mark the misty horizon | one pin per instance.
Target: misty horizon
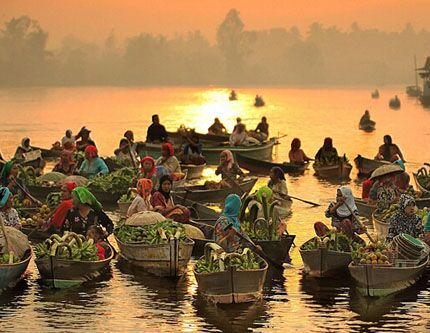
(321, 56)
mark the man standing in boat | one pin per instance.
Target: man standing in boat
(156, 132)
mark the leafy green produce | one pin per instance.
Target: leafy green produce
(53, 199)
(216, 260)
(331, 160)
(128, 197)
(9, 258)
(71, 246)
(151, 234)
(333, 241)
(116, 182)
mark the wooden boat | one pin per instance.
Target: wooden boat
(166, 260)
(259, 102)
(198, 211)
(324, 263)
(49, 154)
(64, 273)
(394, 103)
(179, 137)
(34, 233)
(11, 274)
(367, 127)
(366, 165)
(420, 187)
(233, 286)
(106, 198)
(199, 193)
(380, 226)
(41, 192)
(364, 208)
(380, 280)
(261, 167)
(193, 171)
(339, 171)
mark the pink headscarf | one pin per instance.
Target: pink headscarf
(230, 158)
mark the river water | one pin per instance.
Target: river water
(127, 300)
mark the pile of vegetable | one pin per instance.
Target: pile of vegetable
(39, 218)
(423, 177)
(151, 234)
(116, 182)
(71, 246)
(53, 199)
(9, 258)
(387, 214)
(18, 204)
(333, 241)
(128, 197)
(334, 159)
(372, 254)
(216, 260)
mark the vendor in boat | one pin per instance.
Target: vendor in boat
(389, 151)
(57, 219)
(344, 212)
(7, 212)
(405, 220)
(163, 203)
(142, 201)
(240, 137)
(69, 137)
(217, 128)
(384, 191)
(23, 149)
(327, 152)
(9, 178)
(228, 169)
(238, 122)
(148, 170)
(125, 154)
(402, 179)
(169, 160)
(228, 223)
(296, 154)
(86, 211)
(193, 150)
(261, 132)
(278, 185)
(365, 119)
(66, 164)
(85, 141)
(93, 165)
(156, 132)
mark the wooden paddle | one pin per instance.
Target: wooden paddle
(359, 223)
(27, 194)
(305, 201)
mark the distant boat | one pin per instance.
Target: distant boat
(394, 103)
(259, 101)
(375, 94)
(425, 75)
(233, 96)
(367, 127)
(414, 91)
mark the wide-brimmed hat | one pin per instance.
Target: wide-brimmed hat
(386, 170)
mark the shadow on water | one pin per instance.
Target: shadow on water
(13, 300)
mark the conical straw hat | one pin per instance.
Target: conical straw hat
(386, 170)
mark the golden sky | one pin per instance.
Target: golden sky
(94, 19)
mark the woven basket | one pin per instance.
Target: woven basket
(144, 218)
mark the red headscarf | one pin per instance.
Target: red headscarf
(144, 187)
(149, 159)
(92, 151)
(168, 146)
(70, 186)
(57, 219)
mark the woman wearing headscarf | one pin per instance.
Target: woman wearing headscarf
(86, 211)
(389, 151)
(228, 169)
(66, 164)
(59, 215)
(168, 159)
(384, 191)
(225, 235)
(7, 212)
(85, 141)
(296, 154)
(344, 212)
(148, 170)
(142, 202)
(163, 203)
(405, 220)
(327, 152)
(68, 138)
(23, 149)
(278, 185)
(125, 154)
(9, 178)
(93, 164)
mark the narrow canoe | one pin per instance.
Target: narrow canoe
(11, 274)
(340, 171)
(193, 171)
(198, 211)
(378, 281)
(394, 103)
(179, 137)
(34, 233)
(366, 165)
(233, 286)
(49, 154)
(63, 273)
(370, 127)
(420, 187)
(164, 260)
(364, 208)
(199, 193)
(324, 263)
(380, 226)
(261, 167)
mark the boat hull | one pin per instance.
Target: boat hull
(378, 281)
(364, 208)
(11, 274)
(168, 260)
(366, 166)
(340, 171)
(419, 186)
(324, 263)
(41, 192)
(261, 167)
(278, 250)
(193, 171)
(233, 286)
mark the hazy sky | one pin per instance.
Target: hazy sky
(94, 19)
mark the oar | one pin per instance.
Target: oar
(359, 223)
(235, 184)
(133, 162)
(27, 194)
(305, 201)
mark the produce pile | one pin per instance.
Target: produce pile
(117, 182)
(18, 204)
(333, 241)
(9, 258)
(373, 254)
(423, 177)
(332, 160)
(387, 214)
(39, 218)
(151, 234)
(50, 179)
(216, 260)
(53, 199)
(128, 197)
(71, 246)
